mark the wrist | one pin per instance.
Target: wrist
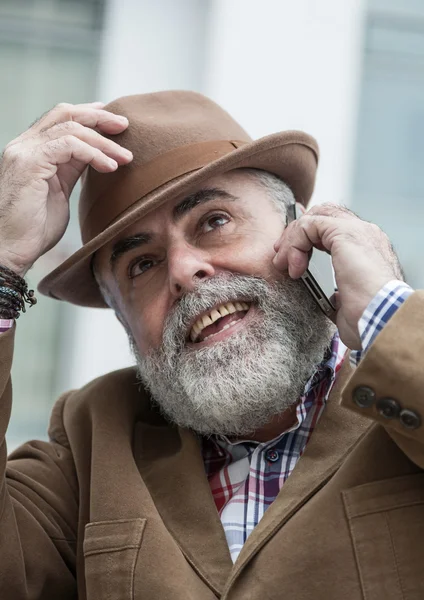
(17, 267)
(14, 294)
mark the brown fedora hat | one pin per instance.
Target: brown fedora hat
(179, 139)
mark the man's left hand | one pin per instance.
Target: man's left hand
(363, 259)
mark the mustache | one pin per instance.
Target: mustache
(208, 293)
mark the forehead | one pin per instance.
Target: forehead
(237, 183)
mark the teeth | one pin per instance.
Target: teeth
(215, 314)
(206, 321)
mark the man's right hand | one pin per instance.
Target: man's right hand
(39, 170)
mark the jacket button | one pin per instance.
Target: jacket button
(410, 419)
(363, 396)
(388, 408)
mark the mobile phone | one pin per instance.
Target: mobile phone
(319, 277)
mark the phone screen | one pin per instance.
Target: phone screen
(321, 269)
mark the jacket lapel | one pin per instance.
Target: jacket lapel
(170, 462)
(337, 433)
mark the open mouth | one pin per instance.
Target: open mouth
(219, 319)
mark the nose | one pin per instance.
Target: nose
(186, 267)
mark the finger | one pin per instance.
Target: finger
(313, 231)
(292, 261)
(326, 209)
(66, 148)
(45, 115)
(278, 243)
(101, 119)
(297, 242)
(331, 210)
(95, 139)
(297, 262)
(88, 116)
(92, 104)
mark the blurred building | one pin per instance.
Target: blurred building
(350, 73)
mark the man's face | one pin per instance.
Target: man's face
(227, 226)
(217, 331)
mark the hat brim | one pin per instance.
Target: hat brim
(291, 155)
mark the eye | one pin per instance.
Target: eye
(214, 221)
(140, 266)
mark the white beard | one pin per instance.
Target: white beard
(237, 385)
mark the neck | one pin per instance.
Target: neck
(274, 428)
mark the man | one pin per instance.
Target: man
(245, 457)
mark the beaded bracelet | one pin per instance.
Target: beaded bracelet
(14, 294)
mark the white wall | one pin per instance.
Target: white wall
(281, 64)
(274, 65)
(152, 45)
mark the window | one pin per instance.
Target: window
(49, 53)
(388, 182)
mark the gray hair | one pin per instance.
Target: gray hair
(278, 192)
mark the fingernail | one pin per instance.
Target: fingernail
(292, 273)
(122, 119)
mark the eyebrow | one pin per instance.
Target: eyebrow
(182, 208)
(127, 244)
(197, 198)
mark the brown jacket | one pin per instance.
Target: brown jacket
(117, 506)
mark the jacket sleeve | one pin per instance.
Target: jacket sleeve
(388, 384)
(38, 508)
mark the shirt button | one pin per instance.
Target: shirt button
(272, 455)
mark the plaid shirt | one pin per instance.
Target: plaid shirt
(246, 476)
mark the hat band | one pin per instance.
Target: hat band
(147, 178)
